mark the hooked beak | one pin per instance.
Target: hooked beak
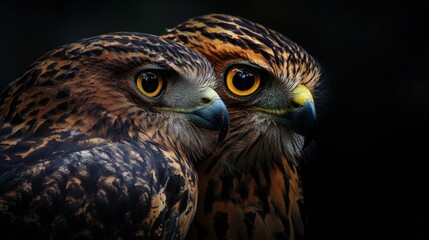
(302, 119)
(214, 116)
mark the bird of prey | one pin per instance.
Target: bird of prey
(97, 139)
(251, 187)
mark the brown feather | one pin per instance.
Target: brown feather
(252, 182)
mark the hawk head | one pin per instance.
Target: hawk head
(266, 80)
(120, 86)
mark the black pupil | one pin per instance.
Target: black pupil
(149, 82)
(243, 80)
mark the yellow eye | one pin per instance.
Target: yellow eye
(242, 80)
(150, 83)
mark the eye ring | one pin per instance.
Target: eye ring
(242, 80)
(150, 83)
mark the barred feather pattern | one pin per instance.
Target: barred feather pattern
(250, 188)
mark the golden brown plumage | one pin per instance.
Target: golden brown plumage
(97, 138)
(250, 188)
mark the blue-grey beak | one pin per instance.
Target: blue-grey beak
(213, 117)
(301, 121)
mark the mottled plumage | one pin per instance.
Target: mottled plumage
(250, 188)
(97, 138)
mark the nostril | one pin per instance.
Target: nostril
(295, 104)
(205, 100)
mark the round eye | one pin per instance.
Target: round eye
(242, 81)
(150, 83)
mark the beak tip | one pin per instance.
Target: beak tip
(223, 127)
(307, 141)
(302, 121)
(213, 117)
(219, 142)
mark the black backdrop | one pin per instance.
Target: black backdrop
(371, 178)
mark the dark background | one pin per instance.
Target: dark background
(370, 178)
